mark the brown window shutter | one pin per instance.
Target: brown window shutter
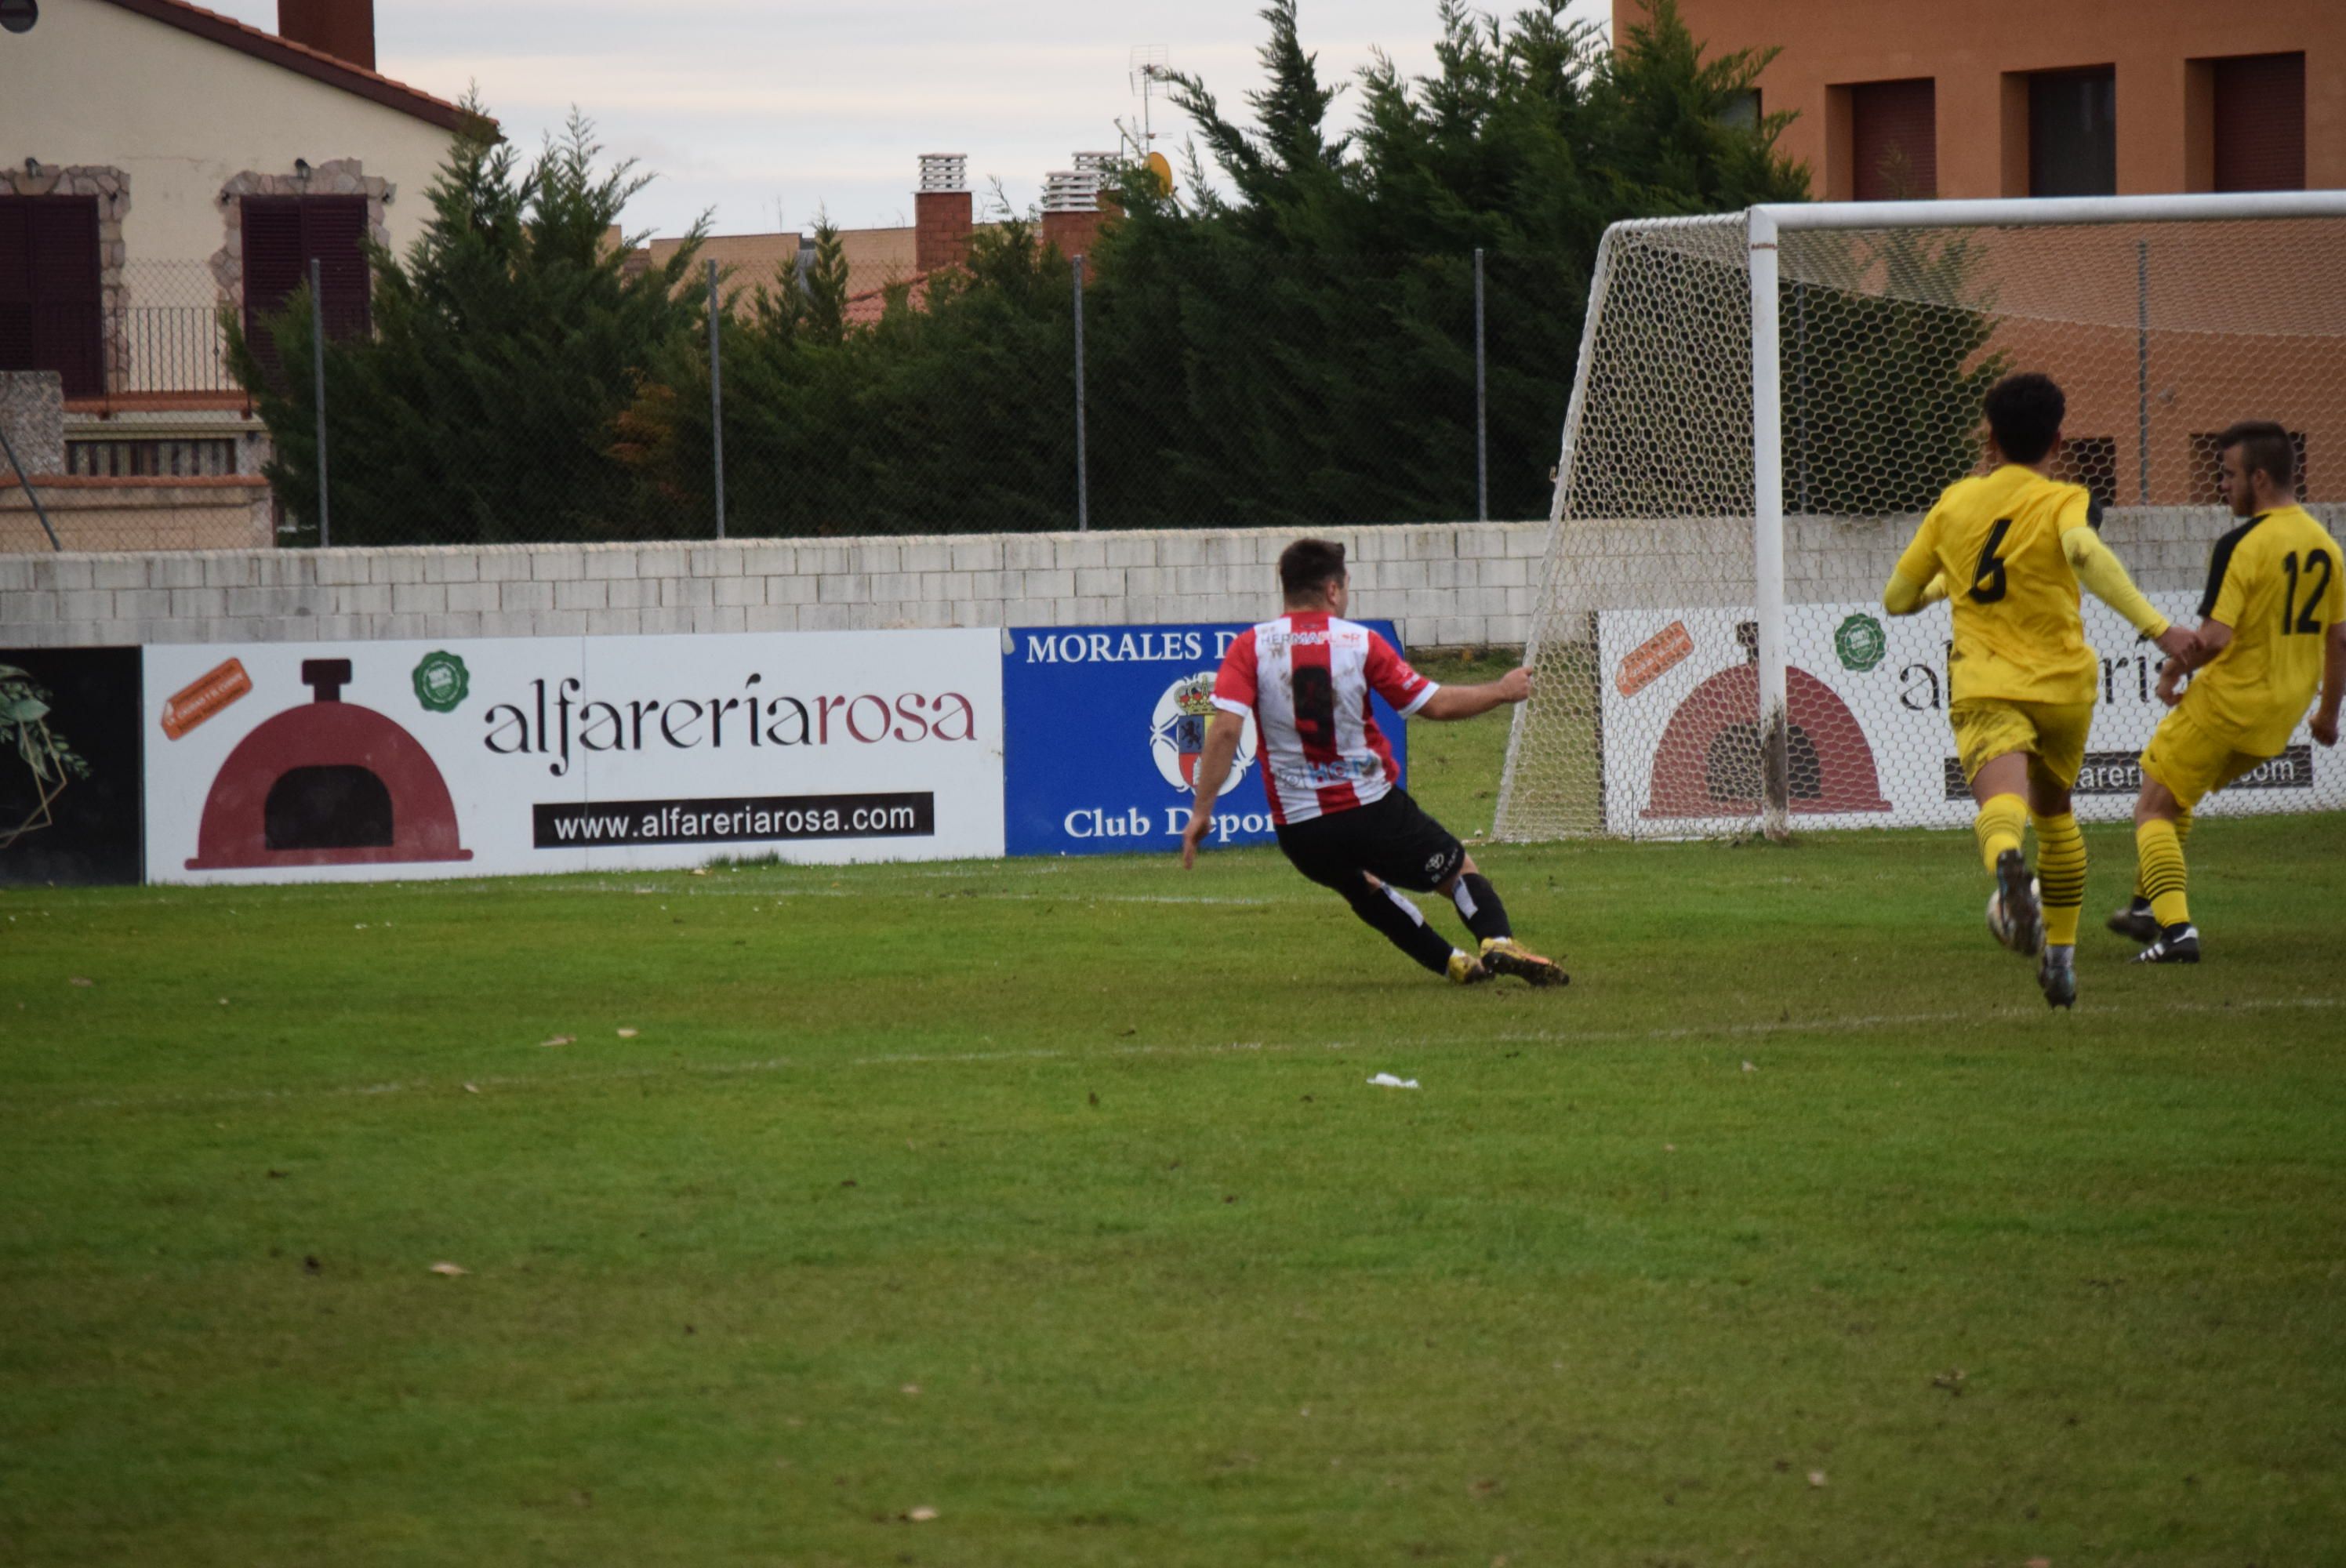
(52, 316)
(334, 230)
(274, 267)
(282, 234)
(2259, 123)
(1894, 140)
(15, 286)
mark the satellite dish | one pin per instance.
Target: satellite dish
(1161, 172)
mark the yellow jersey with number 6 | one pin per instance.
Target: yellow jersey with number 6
(2017, 635)
(2275, 580)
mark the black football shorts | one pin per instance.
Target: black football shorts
(1390, 838)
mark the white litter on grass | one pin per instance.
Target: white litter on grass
(1387, 1081)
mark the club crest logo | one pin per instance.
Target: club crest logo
(1176, 733)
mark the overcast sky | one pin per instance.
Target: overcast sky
(760, 113)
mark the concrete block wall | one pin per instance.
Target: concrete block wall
(1446, 585)
(1466, 585)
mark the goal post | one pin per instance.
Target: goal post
(1766, 402)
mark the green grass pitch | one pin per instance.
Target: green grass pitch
(1040, 1213)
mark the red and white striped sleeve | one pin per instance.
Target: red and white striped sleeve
(1391, 678)
(1235, 685)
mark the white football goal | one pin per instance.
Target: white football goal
(1766, 403)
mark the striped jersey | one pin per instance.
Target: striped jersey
(1306, 678)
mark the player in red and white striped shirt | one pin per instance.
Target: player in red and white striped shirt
(1341, 814)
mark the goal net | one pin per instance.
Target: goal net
(1710, 653)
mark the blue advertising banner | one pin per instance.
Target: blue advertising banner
(1102, 728)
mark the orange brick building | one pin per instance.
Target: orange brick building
(2041, 98)
(2161, 335)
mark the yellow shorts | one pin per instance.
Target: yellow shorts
(2052, 733)
(2192, 762)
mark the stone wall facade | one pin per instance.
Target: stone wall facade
(32, 417)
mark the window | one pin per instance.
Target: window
(2092, 461)
(2260, 122)
(1742, 110)
(1893, 139)
(2207, 467)
(2073, 132)
(52, 311)
(282, 235)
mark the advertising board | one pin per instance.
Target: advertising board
(1870, 746)
(69, 765)
(292, 761)
(1106, 725)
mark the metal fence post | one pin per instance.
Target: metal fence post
(318, 377)
(1083, 473)
(1481, 421)
(716, 399)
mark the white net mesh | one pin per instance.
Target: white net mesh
(1644, 722)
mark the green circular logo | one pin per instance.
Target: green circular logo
(1860, 641)
(441, 682)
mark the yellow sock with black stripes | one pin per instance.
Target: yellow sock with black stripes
(2060, 877)
(2182, 842)
(2158, 856)
(2002, 819)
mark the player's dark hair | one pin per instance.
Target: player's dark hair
(1308, 565)
(2265, 448)
(2023, 413)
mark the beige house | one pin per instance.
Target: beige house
(157, 161)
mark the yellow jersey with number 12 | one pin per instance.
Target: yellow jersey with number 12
(2017, 635)
(2275, 580)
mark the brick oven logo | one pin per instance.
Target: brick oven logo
(442, 682)
(1176, 733)
(327, 783)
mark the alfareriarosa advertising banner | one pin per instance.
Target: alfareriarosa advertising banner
(1106, 725)
(1869, 744)
(350, 762)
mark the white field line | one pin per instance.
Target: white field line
(558, 1081)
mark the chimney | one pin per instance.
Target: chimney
(940, 212)
(1071, 203)
(342, 28)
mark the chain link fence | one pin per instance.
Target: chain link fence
(1028, 392)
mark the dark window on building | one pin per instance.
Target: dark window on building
(1742, 111)
(1893, 139)
(2260, 122)
(52, 310)
(2092, 461)
(2073, 132)
(282, 234)
(2208, 467)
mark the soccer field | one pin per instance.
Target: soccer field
(1042, 1212)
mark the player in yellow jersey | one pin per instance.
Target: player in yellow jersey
(2009, 547)
(2272, 627)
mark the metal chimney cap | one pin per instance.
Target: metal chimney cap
(944, 171)
(1071, 190)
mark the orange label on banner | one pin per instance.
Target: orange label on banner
(1648, 659)
(203, 697)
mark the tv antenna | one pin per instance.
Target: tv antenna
(1149, 68)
